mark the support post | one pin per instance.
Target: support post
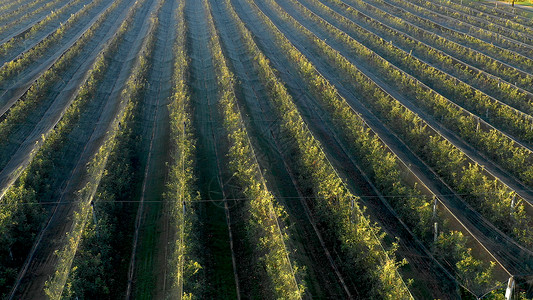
(436, 234)
(510, 288)
(434, 207)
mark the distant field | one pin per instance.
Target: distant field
(265, 149)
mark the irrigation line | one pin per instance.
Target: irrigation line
(145, 179)
(256, 120)
(313, 222)
(246, 199)
(219, 170)
(175, 14)
(307, 210)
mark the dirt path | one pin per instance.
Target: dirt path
(150, 260)
(514, 258)
(85, 141)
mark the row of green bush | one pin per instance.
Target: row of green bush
(264, 228)
(29, 11)
(41, 88)
(492, 30)
(14, 67)
(21, 215)
(382, 164)
(180, 186)
(493, 86)
(14, 7)
(506, 55)
(113, 175)
(468, 14)
(361, 241)
(471, 56)
(486, 193)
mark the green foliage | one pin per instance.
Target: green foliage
(18, 64)
(111, 175)
(478, 18)
(265, 228)
(182, 265)
(379, 162)
(360, 240)
(490, 196)
(39, 90)
(37, 7)
(476, 274)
